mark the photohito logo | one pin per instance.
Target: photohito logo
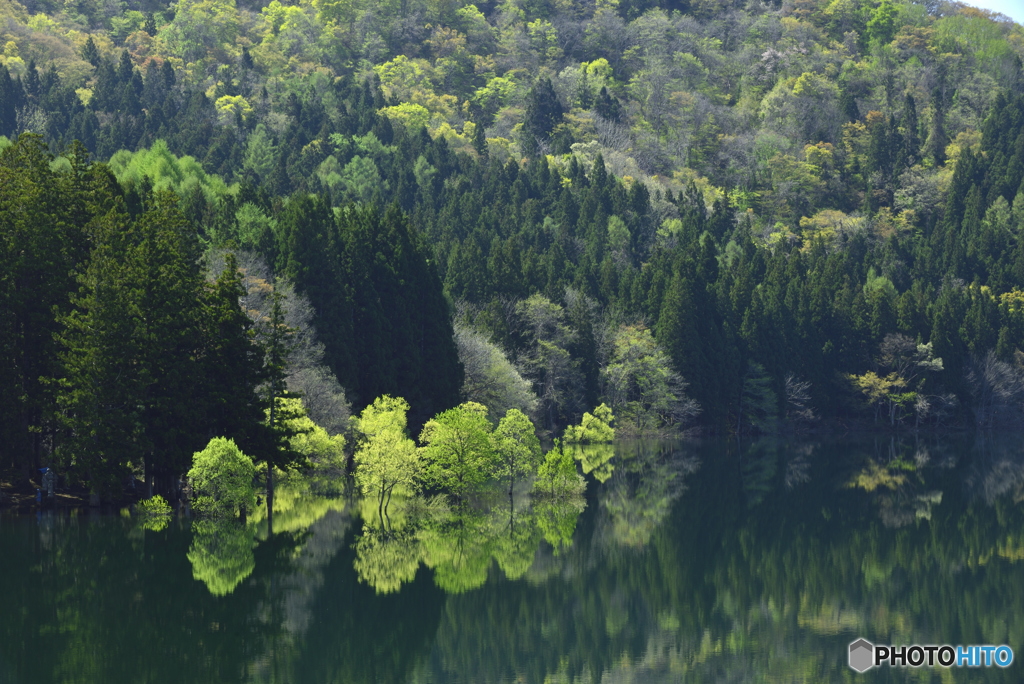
(864, 655)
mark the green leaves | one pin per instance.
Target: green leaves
(222, 479)
(557, 476)
(593, 429)
(458, 452)
(516, 447)
(386, 458)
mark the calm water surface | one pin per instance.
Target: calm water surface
(706, 561)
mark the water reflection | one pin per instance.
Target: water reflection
(702, 561)
(638, 495)
(461, 546)
(221, 554)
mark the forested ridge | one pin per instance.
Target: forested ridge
(744, 216)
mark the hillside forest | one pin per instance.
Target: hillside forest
(737, 216)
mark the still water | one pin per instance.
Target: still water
(683, 561)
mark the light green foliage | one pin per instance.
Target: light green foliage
(361, 179)
(329, 171)
(183, 175)
(498, 92)
(491, 379)
(882, 24)
(556, 519)
(618, 234)
(669, 229)
(130, 22)
(594, 428)
(424, 173)
(387, 559)
(222, 478)
(458, 453)
(875, 282)
(457, 547)
(321, 450)
(641, 385)
(155, 506)
(597, 460)
(230, 106)
(221, 554)
(557, 476)
(387, 458)
(516, 447)
(255, 229)
(999, 216)
(154, 514)
(370, 145)
(200, 26)
(402, 75)
(260, 153)
(412, 116)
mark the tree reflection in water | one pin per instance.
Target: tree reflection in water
(761, 565)
(221, 554)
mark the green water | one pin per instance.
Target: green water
(689, 562)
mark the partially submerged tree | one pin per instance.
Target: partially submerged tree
(458, 453)
(516, 447)
(222, 479)
(557, 476)
(387, 458)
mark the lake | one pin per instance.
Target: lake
(683, 561)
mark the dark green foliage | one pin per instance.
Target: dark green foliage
(543, 110)
(493, 232)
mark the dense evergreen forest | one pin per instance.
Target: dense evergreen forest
(746, 216)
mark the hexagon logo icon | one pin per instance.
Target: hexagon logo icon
(862, 655)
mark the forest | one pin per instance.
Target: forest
(738, 217)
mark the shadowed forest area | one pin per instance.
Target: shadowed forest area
(741, 217)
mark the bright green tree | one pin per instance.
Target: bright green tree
(557, 476)
(593, 429)
(222, 479)
(387, 458)
(516, 447)
(458, 452)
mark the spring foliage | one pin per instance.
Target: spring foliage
(593, 429)
(222, 478)
(386, 458)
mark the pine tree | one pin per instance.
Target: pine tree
(90, 53)
(543, 109)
